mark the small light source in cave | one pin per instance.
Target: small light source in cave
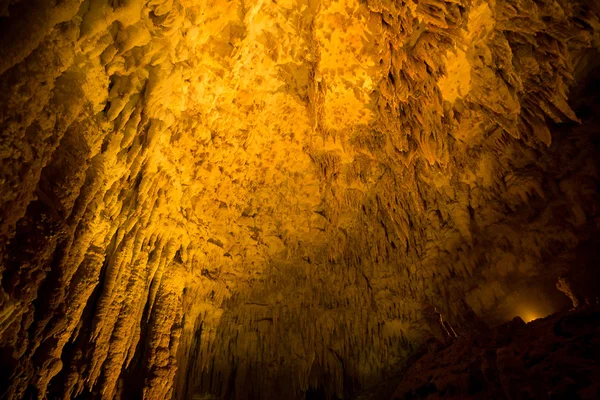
(532, 310)
(530, 314)
(529, 305)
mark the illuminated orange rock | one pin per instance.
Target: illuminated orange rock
(248, 199)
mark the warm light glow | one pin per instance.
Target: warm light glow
(251, 198)
(529, 305)
(530, 311)
(529, 315)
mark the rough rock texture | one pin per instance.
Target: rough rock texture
(552, 358)
(254, 198)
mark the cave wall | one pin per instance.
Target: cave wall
(549, 358)
(251, 198)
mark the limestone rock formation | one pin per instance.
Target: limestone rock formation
(255, 198)
(553, 358)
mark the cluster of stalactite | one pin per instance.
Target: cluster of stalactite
(249, 199)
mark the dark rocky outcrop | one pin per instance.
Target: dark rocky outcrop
(551, 358)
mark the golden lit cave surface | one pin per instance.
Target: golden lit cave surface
(260, 197)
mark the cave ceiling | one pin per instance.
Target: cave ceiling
(251, 198)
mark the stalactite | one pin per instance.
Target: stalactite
(255, 199)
